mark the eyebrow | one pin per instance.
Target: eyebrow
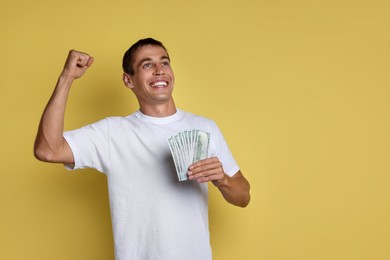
(149, 59)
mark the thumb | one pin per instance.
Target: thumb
(90, 61)
(84, 61)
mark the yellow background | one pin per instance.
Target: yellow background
(300, 90)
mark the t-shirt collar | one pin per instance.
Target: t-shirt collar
(159, 120)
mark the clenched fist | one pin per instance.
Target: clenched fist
(76, 64)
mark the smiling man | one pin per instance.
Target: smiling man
(148, 73)
(154, 215)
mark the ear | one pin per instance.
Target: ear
(127, 80)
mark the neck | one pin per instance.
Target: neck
(162, 110)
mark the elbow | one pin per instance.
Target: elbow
(244, 201)
(240, 200)
(42, 154)
(245, 196)
(52, 153)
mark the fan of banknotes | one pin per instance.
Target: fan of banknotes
(187, 147)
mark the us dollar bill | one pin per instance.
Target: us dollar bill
(187, 147)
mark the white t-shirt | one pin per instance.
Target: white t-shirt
(154, 216)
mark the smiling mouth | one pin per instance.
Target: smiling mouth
(159, 84)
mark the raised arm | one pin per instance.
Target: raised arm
(234, 189)
(50, 145)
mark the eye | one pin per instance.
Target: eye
(147, 65)
(165, 63)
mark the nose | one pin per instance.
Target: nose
(158, 70)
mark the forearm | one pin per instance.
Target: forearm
(49, 139)
(50, 144)
(234, 189)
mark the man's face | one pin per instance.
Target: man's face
(153, 77)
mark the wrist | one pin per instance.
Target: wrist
(65, 79)
(221, 183)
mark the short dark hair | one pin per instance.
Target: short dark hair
(128, 58)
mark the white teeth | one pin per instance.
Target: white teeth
(159, 83)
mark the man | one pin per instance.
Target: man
(154, 215)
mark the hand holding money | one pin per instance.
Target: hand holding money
(209, 169)
(187, 147)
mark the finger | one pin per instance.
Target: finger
(203, 162)
(76, 64)
(83, 60)
(215, 173)
(90, 61)
(213, 177)
(205, 166)
(203, 180)
(209, 178)
(79, 58)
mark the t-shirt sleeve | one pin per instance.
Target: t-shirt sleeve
(90, 146)
(220, 148)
